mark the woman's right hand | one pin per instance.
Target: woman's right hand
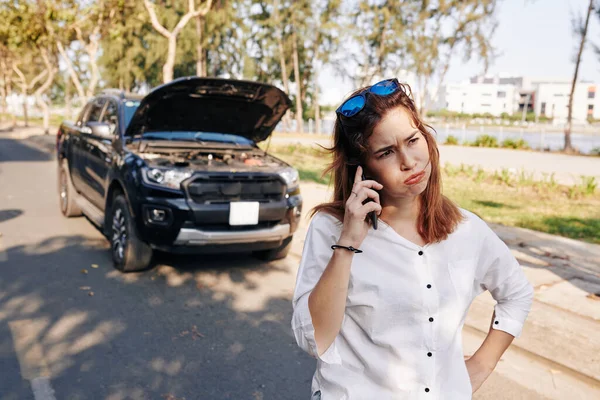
(356, 226)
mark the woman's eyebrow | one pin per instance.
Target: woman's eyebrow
(383, 149)
(412, 135)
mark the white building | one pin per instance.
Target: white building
(485, 97)
(544, 97)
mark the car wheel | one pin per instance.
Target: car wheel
(276, 253)
(67, 193)
(129, 253)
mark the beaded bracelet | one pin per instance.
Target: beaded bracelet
(337, 246)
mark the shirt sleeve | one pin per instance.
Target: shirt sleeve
(321, 234)
(503, 276)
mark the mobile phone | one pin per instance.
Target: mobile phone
(372, 214)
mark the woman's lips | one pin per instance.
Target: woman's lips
(414, 179)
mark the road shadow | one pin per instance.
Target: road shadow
(14, 150)
(181, 330)
(6, 215)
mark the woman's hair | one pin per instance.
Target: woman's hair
(438, 215)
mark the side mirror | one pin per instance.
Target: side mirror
(101, 130)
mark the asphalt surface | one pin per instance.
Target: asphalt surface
(208, 327)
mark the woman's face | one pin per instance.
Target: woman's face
(398, 156)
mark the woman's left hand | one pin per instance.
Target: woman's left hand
(478, 371)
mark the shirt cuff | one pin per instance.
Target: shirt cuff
(504, 323)
(304, 332)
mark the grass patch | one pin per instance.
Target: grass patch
(543, 206)
(504, 197)
(308, 160)
(55, 120)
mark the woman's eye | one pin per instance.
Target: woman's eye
(386, 153)
(412, 141)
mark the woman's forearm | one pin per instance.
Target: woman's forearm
(494, 346)
(327, 301)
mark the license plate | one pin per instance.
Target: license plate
(243, 213)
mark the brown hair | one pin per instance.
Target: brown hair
(439, 216)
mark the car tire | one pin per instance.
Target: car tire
(277, 253)
(67, 193)
(129, 253)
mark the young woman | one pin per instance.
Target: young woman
(382, 306)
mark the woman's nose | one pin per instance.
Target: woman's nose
(407, 163)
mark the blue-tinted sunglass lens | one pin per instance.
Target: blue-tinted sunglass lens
(352, 106)
(384, 88)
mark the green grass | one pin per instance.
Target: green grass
(534, 207)
(500, 197)
(55, 120)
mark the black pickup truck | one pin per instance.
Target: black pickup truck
(179, 170)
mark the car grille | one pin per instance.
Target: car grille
(223, 189)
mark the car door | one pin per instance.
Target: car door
(88, 175)
(100, 153)
(76, 147)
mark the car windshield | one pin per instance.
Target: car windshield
(130, 106)
(199, 137)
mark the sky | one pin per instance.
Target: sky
(533, 38)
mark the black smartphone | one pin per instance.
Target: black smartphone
(372, 214)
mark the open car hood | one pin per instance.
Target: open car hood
(245, 108)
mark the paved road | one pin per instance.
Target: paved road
(192, 328)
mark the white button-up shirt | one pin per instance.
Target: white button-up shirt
(401, 335)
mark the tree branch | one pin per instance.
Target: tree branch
(161, 29)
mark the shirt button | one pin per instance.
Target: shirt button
(496, 322)
(420, 253)
(427, 390)
(428, 286)
(430, 319)
(429, 354)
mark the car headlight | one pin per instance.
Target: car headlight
(169, 178)
(290, 176)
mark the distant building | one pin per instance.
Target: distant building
(544, 97)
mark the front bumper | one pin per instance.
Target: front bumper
(199, 237)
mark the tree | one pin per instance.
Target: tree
(580, 29)
(326, 30)
(30, 34)
(77, 29)
(171, 36)
(440, 31)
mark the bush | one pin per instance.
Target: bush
(485, 141)
(595, 151)
(451, 140)
(515, 144)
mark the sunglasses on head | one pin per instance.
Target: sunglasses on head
(355, 104)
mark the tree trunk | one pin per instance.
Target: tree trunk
(299, 120)
(68, 111)
(200, 61)
(3, 93)
(51, 69)
(72, 73)
(25, 116)
(282, 63)
(170, 64)
(317, 107)
(568, 145)
(8, 93)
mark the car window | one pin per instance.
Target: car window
(96, 110)
(84, 114)
(110, 115)
(129, 108)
